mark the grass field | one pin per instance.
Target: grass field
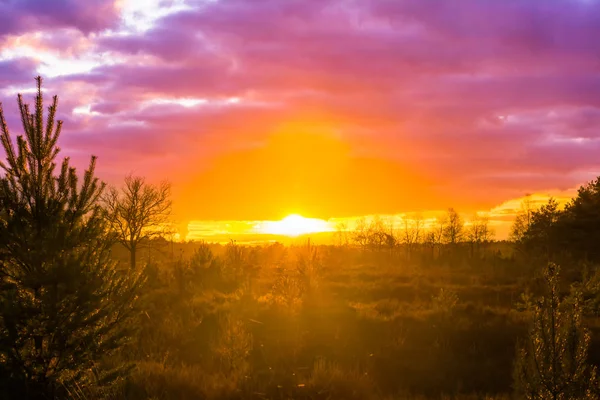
(306, 322)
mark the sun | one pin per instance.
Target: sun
(295, 225)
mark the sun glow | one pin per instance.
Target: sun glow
(294, 225)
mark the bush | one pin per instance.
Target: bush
(552, 363)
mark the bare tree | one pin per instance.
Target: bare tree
(454, 229)
(361, 233)
(341, 234)
(391, 241)
(479, 232)
(418, 228)
(378, 237)
(412, 232)
(433, 238)
(137, 212)
(522, 220)
(429, 242)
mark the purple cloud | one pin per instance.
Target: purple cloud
(16, 71)
(19, 16)
(485, 99)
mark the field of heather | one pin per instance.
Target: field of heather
(325, 322)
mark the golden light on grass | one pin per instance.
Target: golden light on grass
(294, 225)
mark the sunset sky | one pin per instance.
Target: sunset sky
(258, 109)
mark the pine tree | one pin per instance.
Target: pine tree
(552, 363)
(63, 305)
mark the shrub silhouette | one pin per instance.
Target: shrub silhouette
(552, 364)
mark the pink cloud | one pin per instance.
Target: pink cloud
(485, 99)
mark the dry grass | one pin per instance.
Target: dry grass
(327, 323)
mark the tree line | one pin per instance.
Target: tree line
(413, 233)
(566, 235)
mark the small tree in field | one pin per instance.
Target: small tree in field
(137, 213)
(522, 221)
(552, 363)
(454, 229)
(62, 304)
(478, 233)
(412, 232)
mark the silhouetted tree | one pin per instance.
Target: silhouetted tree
(434, 236)
(137, 213)
(522, 220)
(341, 234)
(389, 237)
(454, 227)
(429, 240)
(572, 233)
(412, 233)
(361, 233)
(378, 237)
(63, 306)
(543, 236)
(580, 223)
(478, 233)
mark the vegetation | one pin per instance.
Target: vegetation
(137, 213)
(569, 236)
(419, 311)
(552, 364)
(63, 307)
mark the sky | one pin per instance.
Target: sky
(257, 109)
